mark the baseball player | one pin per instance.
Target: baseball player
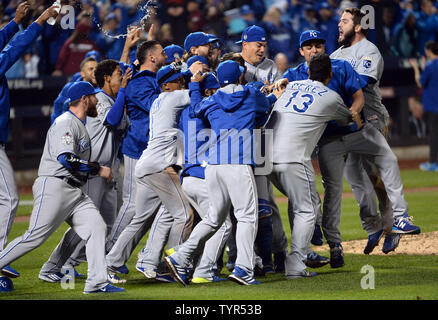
(193, 180)
(262, 70)
(14, 50)
(140, 92)
(57, 193)
(367, 143)
(198, 43)
(156, 171)
(232, 113)
(345, 81)
(87, 67)
(298, 120)
(106, 132)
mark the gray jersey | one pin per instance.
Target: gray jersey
(163, 148)
(105, 140)
(366, 59)
(265, 70)
(66, 135)
(300, 117)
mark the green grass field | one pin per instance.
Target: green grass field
(397, 276)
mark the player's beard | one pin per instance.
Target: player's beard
(92, 111)
(348, 38)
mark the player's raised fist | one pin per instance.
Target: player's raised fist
(21, 12)
(126, 77)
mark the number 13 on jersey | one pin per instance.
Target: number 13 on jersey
(301, 102)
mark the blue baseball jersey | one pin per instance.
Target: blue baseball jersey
(345, 81)
(8, 56)
(140, 93)
(429, 82)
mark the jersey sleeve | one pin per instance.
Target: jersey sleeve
(64, 138)
(352, 80)
(369, 64)
(342, 114)
(425, 76)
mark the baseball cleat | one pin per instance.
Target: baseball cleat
(163, 277)
(336, 255)
(373, 241)
(9, 272)
(429, 166)
(317, 238)
(52, 277)
(268, 269)
(176, 271)
(391, 242)
(314, 260)
(114, 278)
(123, 269)
(76, 274)
(241, 277)
(107, 289)
(207, 280)
(149, 273)
(304, 274)
(404, 225)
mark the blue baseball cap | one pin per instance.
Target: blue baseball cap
(229, 72)
(210, 82)
(245, 9)
(195, 39)
(311, 35)
(195, 58)
(168, 73)
(253, 34)
(6, 284)
(173, 52)
(79, 89)
(93, 54)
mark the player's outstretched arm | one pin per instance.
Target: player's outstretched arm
(47, 14)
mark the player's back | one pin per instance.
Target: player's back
(299, 118)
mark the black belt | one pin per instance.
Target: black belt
(71, 182)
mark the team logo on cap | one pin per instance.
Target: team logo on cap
(313, 34)
(245, 37)
(67, 138)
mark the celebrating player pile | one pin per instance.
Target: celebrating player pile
(188, 126)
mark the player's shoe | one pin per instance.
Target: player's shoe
(268, 269)
(76, 274)
(10, 272)
(429, 166)
(107, 289)
(279, 260)
(373, 241)
(317, 238)
(114, 278)
(242, 277)
(149, 273)
(404, 225)
(170, 251)
(123, 269)
(177, 272)
(164, 277)
(304, 274)
(336, 255)
(391, 242)
(52, 277)
(207, 280)
(314, 260)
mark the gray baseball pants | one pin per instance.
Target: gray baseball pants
(55, 201)
(152, 191)
(227, 185)
(104, 197)
(370, 144)
(127, 210)
(197, 193)
(297, 182)
(9, 197)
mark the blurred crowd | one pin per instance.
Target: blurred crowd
(402, 28)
